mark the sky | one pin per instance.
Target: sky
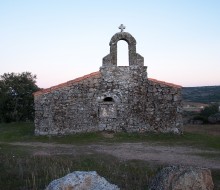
(62, 40)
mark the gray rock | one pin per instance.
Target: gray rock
(182, 178)
(80, 180)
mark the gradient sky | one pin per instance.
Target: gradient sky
(61, 40)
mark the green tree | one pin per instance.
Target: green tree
(206, 112)
(16, 96)
(210, 110)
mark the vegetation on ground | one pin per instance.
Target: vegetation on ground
(24, 132)
(20, 169)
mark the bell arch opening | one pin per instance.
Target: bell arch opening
(112, 59)
(123, 53)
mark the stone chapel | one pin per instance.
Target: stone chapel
(116, 98)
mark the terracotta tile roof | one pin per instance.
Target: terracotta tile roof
(165, 83)
(65, 84)
(74, 81)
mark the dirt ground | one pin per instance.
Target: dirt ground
(151, 152)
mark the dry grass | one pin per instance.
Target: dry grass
(19, 170)
(22, 171)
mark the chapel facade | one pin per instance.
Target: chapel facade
(117, 98)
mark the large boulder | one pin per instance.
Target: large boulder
(215, 118)
(182, 178)
(80, 180)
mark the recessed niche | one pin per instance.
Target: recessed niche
(108, 99)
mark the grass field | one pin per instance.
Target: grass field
(194, 135)
(19, 169)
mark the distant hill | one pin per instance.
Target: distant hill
(204, 94)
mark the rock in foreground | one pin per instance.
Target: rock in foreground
(80, 180)
(182, 178)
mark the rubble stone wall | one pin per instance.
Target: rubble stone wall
(122, 101)
(69, 109)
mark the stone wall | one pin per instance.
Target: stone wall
(68, 108)
(115, 99)
(142, 104)
(135, 104)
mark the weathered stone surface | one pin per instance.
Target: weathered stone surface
(81, 180)
(215, 118)
(117, 98)
(182, 178)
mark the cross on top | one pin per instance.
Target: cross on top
(122, 27)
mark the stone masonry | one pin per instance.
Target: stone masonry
(117, 98)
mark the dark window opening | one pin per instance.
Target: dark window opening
(108, 99)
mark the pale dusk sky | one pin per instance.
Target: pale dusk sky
(62, 40)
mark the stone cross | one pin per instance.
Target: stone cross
(122, 27)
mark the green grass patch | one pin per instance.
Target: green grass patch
(14, 151)
(200, 140)
(187, 139)
(16, 131)
(24, 132)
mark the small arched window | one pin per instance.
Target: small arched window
(108, 99)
